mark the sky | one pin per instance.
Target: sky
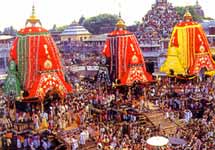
(63, 12)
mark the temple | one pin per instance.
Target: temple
(198, 9)
(158, 2)
(35, 64)
(188, 50)
(126, 62)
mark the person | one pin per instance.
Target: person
(141, 103)
(106, 141)
(44, 124)
(1, 142)
(74, 143)
(25, 142)
(8, 138)
(78, 120)
(87, 136)
(63, 123)
(187, 115)
(36, 121)
(167, 113)
(44, 144)
(19, 145)
(99, 146)
(44, 114)
(82, 138)
(30, 142)
(36, 141)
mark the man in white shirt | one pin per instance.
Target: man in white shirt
(74, 143)
(82, 138)
(44, 145)
(187, 115)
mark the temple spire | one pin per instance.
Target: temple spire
(33, 10)
(197, 3)
(120, 23)
(187, 16)
(33, 20)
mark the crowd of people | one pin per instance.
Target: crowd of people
(157, 24)
(193, 102)
(76, 66)
(112, 117)
(69, 45)
(109, 117)
(81, 58)
(18, 128)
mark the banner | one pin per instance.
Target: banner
(3, 76)
(84, 68)
(92, 68)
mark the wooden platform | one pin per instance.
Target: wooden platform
(72, 126)
(152, 118)
(157, 118)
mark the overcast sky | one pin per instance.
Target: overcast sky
(62, 12)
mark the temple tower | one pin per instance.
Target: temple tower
(188, 51)
(37, 62)
(126, 62)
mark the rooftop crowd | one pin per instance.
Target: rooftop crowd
(157, 24)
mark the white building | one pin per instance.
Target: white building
(5, 45)
(75, 32)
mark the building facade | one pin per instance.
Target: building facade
(198, 9)
(75, 32)
(5, 45)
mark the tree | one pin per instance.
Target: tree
(181, 11)
(62, 28)
(81, 20)
(196, 17)
(134, 27)
(100, 24)
(54, 27)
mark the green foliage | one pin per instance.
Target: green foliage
(196, 17)
(100, 24)
(181, 11)
(208, 18)
(62, 28)
(54, 27)
(81, 20)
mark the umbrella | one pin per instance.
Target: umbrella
(177, 141)
(157, 141)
